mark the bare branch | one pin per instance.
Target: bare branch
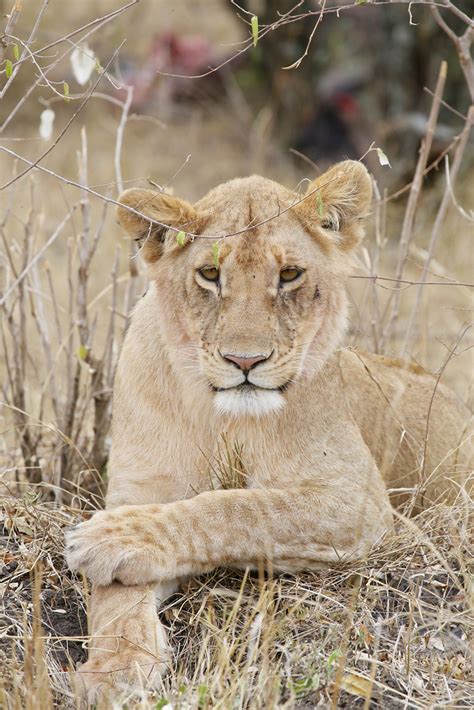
(11, 22)
(445, 200)
(416, 188)
(462, 44)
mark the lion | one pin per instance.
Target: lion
(240, 334)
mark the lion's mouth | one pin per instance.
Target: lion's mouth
(251, 387)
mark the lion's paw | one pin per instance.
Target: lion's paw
(109, 675)
(111, 547)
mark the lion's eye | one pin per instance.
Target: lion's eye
(210, 273)
(290, 274)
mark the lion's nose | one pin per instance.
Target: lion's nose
(245, 362)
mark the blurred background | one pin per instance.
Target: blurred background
(364, 79)
(194, 96)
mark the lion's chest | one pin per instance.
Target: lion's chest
(229, 460)
(249, 458)
(281, 453)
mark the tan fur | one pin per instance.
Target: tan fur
(319, 457)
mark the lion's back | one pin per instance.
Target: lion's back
(417, 429)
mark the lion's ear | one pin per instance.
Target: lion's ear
(158, 211)
(338, 200)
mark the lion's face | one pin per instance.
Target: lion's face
(254, 312)
(256, 317)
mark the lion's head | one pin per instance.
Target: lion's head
(250, 280)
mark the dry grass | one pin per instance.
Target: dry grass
(392, 632)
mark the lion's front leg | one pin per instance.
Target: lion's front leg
(128, 647)
(296, 528)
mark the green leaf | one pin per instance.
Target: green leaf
(181, 238)
(162, 703)
(333, 658)
(320, 205)
(8, 68)
(82, 352)
(16, 52)
(215, 254)
(254, 25)
(361, 2)
(66, 91)
(303, 686)
(202, 693)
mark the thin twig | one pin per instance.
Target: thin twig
(415, 191)
(13, 16)
(68, 123)
(37, 256)
(29, 41)
(444, 204)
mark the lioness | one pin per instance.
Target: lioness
(244, 339)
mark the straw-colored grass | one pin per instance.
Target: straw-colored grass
(392, 631)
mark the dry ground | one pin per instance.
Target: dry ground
(391, 633)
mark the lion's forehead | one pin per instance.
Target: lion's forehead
(246, 201)
(253, 222)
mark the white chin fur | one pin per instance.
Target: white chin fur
(250, 403)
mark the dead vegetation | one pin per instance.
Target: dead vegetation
(393, 632)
